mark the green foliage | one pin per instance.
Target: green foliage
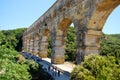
(6, 53)
(70, 45)
(110, 47)
(2, 38)
(37, 72)
(12, 38)
(115, 36)
(14, 71)
(49, 47)
(10, 68)
(105, 67)
(97, 68)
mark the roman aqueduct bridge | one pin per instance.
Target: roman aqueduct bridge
(88, 17)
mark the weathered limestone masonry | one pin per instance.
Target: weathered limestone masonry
(88, 17)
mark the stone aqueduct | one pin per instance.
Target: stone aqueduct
(88, 17)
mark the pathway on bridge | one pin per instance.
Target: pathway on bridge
(64, 69)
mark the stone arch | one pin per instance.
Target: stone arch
(44, 43)
(101, 13)
(98, 19)
(89, 29)
(64, 24)
(93, 31)
(58, 51)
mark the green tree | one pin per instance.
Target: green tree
(9, 67)
(97, 68)
(110, 46)
(13, 38)
(70, 45)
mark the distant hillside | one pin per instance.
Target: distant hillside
(12, 38)
(116, 36)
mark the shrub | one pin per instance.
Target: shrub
(97, 68)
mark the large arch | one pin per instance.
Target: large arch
(101, 13)
(89, 29)
(58, 51)
(97, 21)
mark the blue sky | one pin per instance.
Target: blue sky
(22, 13)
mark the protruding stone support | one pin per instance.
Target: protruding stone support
(28, 45)
(36, 46)
(43, 47)
(92, 41)
(33, 43)
(58, 50)
(31, 46)
(25, 45)
(58, 55)
(87, 41)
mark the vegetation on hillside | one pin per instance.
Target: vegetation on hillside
(110, 46)
(12, 38)
(10, 67)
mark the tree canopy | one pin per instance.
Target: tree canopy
(10, 67)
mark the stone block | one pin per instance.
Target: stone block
(35, 53)
(91, 50)
(58, 60)
(59, 51)
(43, 55)
(58, 43)
(93, 32)
(91, 40)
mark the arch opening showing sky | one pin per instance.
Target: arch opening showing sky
(112, 25)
